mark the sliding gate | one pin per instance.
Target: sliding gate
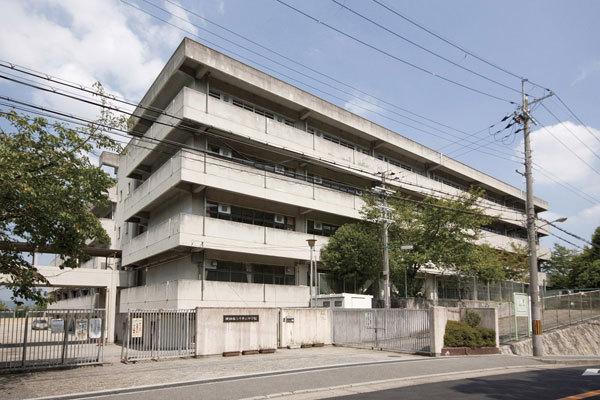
(394, 329)
(51, 338)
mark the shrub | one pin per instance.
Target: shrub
(472, 318)
(460, 334)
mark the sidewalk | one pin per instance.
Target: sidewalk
(115, 374)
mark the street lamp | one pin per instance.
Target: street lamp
(546, 222)
(311, 245)
(406, 247)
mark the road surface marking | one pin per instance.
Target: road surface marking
(585, 395)
(591, 371)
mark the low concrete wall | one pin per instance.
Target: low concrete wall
(502, 307)
(298, 326)
(215, 336)
(582, 339)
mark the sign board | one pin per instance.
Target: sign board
(240, 318)
(137, 327)
(369, 320)
(57, 325)
(288, 320)
(521, 304)
(95, 328)
(81, 329)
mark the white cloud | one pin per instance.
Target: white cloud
(560, 162)
(87, 41)
(586, 71)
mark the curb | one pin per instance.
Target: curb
(135, 389)
(412, 380)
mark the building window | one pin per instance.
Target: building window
(326, 304)
(229, 271)
(249, 216)
(320, 228)
(337, 303)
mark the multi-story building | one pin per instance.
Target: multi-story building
(230, 171)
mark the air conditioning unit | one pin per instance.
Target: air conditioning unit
(280, 169)
(317, 179)
(225, 152)
(279, 219)
(318, 226)
(224, 208)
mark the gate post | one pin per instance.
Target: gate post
(437, 324)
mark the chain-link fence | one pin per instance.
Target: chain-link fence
(557, 311)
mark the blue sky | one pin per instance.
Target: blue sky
(553, 43)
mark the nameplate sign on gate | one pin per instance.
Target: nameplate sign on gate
(95, 328)
(288, 320)
(240, 318)
(137, 325)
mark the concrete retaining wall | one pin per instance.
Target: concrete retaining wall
(577, 340)
(214, 336)
(298, 326)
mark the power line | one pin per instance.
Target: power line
(290, 59)
(364, 17)
(178, 145)
(576, 117)
(453, 44)
(54, 91)
(570, 131)
(301, 82)
(388, 54)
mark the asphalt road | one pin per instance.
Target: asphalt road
(530, 385)
(244, 387)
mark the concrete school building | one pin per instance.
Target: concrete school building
(230, 170)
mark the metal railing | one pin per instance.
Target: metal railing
(557, 311)
(51, 338)
(385, 329)
(159, 334)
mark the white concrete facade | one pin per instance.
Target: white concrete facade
(216, 195)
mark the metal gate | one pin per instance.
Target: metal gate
(51, 338)
(156, 334)
(386, 329)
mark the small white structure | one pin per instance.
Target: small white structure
(344, 300)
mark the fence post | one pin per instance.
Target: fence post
(25, 338)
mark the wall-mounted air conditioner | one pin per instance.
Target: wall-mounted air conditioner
(225, 152)
(318, 226)
(279, 219)
(224, 208)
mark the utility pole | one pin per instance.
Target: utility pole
(384, 192)
(534, 289)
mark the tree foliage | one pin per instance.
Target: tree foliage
(48, 187)
(569, 268)
(443, 233)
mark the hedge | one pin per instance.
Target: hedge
(460, 334)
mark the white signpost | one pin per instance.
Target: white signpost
(522, 308)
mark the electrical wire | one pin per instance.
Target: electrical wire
(364, 17)
(453, 44)
(370, 110)
(392, 56)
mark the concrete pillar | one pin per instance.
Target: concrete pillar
(430, 287)
(437, 327)
(111, 309)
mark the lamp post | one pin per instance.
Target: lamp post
(406, 248)
(311, 245)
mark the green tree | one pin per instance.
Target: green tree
(353, 253)
(48, 187)
(442, 232)
(560, 266)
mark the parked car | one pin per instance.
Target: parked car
(39, 325)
